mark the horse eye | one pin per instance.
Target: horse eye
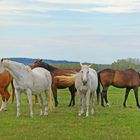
(81, 71)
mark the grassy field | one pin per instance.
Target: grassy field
(109, 123)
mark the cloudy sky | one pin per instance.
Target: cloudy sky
(97, 31)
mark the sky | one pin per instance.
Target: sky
(95, 31)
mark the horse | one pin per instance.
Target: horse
(129, 79)
(34, 82)
(5, 80)
(86, 83)
(61, 79)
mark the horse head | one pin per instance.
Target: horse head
(37, 63)
(84, 73)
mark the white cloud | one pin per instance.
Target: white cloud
(13, 7)
(105, 6)
(111, 2)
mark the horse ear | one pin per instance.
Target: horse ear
(81, 64)
(2, 60)
(89, 65)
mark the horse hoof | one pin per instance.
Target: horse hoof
(92, 111)
(73, 105)
(31, 115)
(79, 114)
(139, 108)
(108, 104)
(45, 113)
(18, 115)
(41, 114)
(124, 106)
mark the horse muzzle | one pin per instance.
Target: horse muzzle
(84, 83)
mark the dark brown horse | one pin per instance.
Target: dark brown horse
(60, 79)
(129, 79)
(5, 80)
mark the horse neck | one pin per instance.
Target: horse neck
(49, 67)
(16, 74)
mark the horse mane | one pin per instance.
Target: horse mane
(48, 67)
(107, 70)
(28, 68)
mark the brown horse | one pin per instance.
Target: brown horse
(60, 79)
(5, 80)
(129, 79)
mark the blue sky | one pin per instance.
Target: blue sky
(96, 31)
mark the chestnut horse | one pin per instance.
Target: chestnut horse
(60, 79)
(5, 80)
(129, 79)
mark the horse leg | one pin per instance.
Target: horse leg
(126, 96)
(87, 103)
(103, 94)
(70, 104)
(136, 97)
(7, 94)
(3, 94)
(106, 100)
(54, 90)
(41, 104)
(13, 91)
(29, 94)
(92, 102)
(36, 99)
(17, 92)
(81, 100)
(6, 98)
(46, 105)
(72, 91)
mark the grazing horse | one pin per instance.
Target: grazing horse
(86, 83)
(129, 79)
(5, 80)
(60, 79)
(34, 81)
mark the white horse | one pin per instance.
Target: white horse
(35, 81)
(86, 83)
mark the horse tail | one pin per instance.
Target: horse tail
(98, 89)
(50, 101)
(13, 91)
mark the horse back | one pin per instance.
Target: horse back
(128, 78)
(106, 77)
(93, 79)
(59, 72)
(5, 78)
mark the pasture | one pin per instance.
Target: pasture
(109, 123)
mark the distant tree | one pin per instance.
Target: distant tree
(123, 64)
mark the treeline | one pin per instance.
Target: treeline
(97, 67)
(123, 64)
(120, 64)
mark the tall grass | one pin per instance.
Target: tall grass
(108, 123)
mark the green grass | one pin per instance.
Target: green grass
(109, 123)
